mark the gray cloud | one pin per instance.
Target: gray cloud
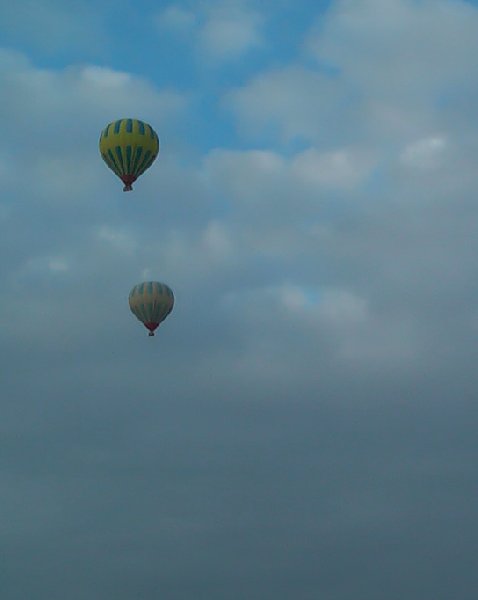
(303, 424)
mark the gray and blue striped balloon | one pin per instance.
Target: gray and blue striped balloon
(151, 302)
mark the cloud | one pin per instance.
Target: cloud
(121, 241)
(82, 99)
(58, 199)
(424, 46)
(286, 103)
(176, 19)
(275, 188)
(341, 169)
(279, 221)
(221, 32)
(55, 117)
(424, 153)
(49, 26)
(353, 92)
(228, 33)
(55, 264)
(217, 240)
(312, 397)
(106, 78)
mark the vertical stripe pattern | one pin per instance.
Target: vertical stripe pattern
(129, 147)
(151, 302)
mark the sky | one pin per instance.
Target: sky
(303, 425)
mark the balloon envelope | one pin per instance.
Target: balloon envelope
(151, 302)
(129, 147)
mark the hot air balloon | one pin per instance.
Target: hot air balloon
(129, 147)
(151, 302)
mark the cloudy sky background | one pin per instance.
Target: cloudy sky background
(304, 423)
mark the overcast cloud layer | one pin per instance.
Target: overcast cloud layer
(303, 425)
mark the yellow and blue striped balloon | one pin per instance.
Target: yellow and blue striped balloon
(129, 147)
(151, 302)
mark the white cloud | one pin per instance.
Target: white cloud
(77, 100)
(342, 307)
(427, 42)
(221, 32)
(426, 153)
(398, 48)
(217, 240)
(229, 32)
(394, 64)
(248, 175)
(319, 304)
(319, 219)
(58, 265)
(276, 190)
(120, 240)
(53, 118)
(293, 298)
(104, 77)
(288, 102)
(399, 58)
(336, 322)
(176, 19)
(341, 169)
